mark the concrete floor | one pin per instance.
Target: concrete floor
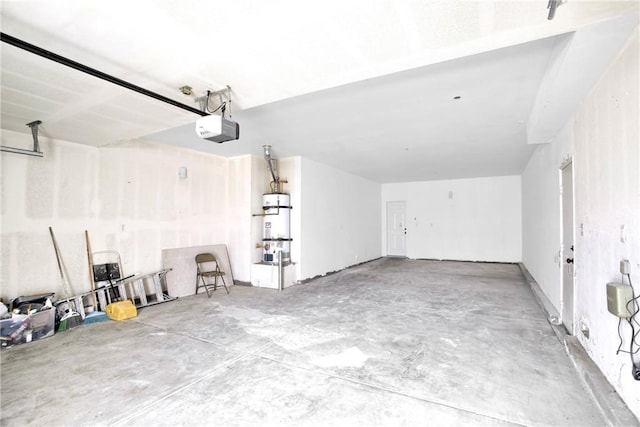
(391, 342)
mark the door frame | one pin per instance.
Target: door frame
(404, 205)
(567, 225)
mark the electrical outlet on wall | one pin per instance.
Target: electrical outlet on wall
(584, 328)
(623, 234)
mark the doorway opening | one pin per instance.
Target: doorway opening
(567, 246)
(396, 229)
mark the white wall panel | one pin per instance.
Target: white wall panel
(604, 138)
(541, 213)
(340, 219)
(607, 214)
(128, 197)
(465, 219)
(239, 219)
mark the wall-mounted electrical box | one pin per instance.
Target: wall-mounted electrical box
(618, 295)
(625, 267)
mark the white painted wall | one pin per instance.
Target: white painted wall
(260, 178)
(140, 192)
(130, 199)
(465, 219)
(239, 220)
(340, 219)
(541, 226)
(604, 138)
(127, 196)
(58, 191)
(607, 197)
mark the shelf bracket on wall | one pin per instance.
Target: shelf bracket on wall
(36, 145)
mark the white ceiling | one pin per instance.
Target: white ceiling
(366, 86)
(405, 126)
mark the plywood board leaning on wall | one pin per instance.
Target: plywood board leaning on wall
(181, 280)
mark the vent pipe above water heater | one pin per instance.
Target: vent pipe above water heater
(267, 157)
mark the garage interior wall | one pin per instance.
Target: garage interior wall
(604, 135)
(238, 212)
(340, 217)
(541, 213)
(131, 200)
(129, 197)
(475, 219)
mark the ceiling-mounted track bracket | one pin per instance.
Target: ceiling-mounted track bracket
(34, 132)
(36, 144)
(552, 6)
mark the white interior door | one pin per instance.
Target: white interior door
(396, 229)
(567, 247)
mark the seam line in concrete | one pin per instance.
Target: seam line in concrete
(257, 353)
(214, 371)
(386, 389)
(180, 389)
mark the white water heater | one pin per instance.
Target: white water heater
(276, 235)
